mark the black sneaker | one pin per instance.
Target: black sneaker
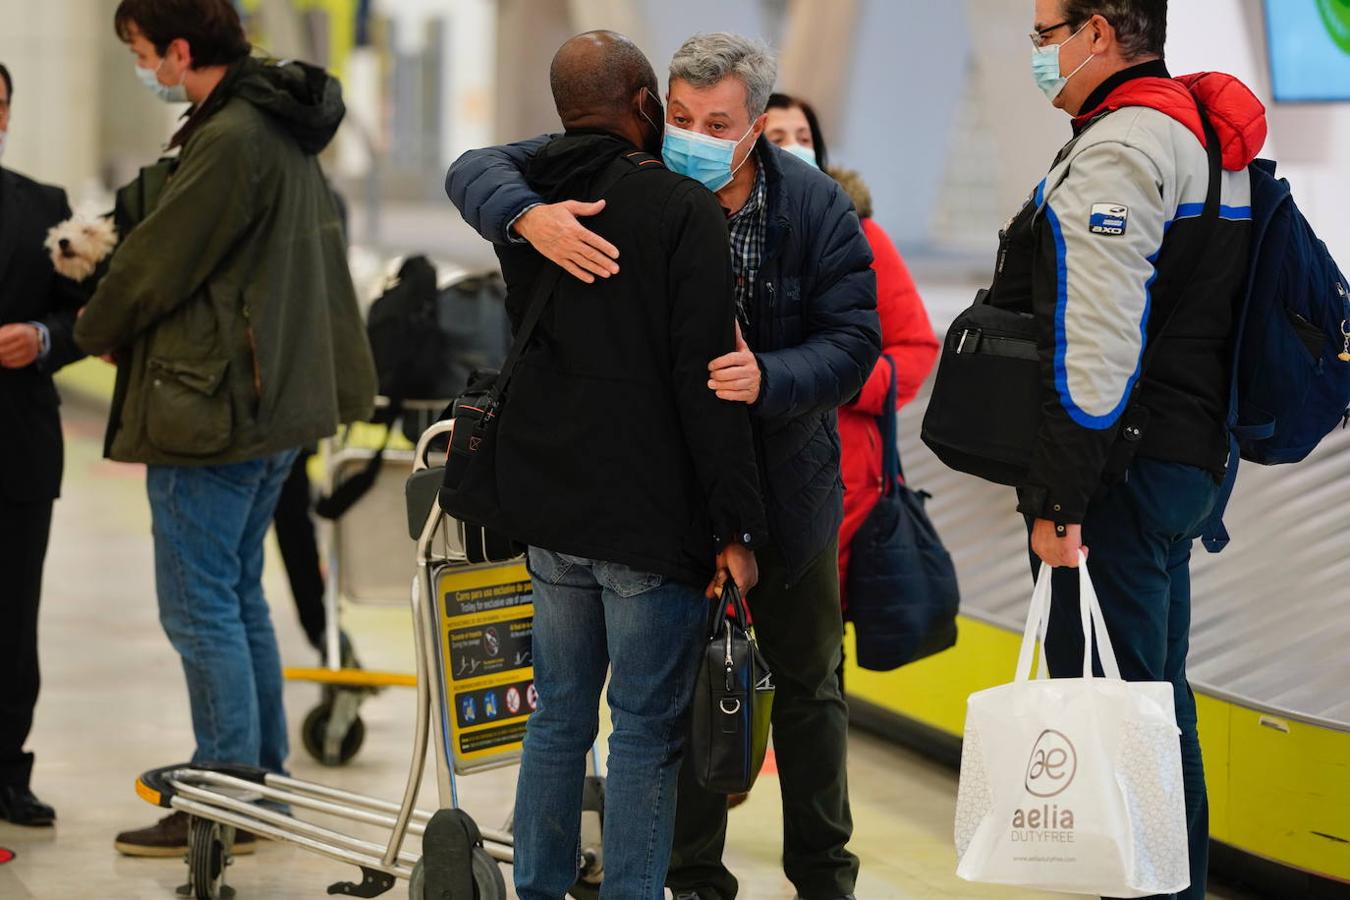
(20, 807)
(169, 837)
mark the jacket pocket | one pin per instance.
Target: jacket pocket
(188, 414)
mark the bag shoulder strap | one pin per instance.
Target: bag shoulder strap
(889, 423)
(551, 273)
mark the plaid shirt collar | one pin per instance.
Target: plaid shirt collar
(748, 228)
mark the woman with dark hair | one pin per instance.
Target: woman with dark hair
(793, 126)
(906, 335)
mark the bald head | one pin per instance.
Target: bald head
(596, 78)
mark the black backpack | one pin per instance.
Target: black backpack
(406, 339)
(426, 342)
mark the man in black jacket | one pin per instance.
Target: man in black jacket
(37, 313)
(634, 485)
(806, 298)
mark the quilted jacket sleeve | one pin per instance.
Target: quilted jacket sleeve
(842, 334)
(488, 187)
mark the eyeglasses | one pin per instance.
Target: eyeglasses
(1040, 36)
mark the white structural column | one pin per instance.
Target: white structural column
(813, 61)
(51, 49)
(468, 101)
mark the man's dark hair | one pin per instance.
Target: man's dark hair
(598, 73)
(787, 101)
(9, 82)
(1141, 25)
(211, 28)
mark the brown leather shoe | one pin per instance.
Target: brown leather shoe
(169, 837)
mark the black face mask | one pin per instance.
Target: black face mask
(653, 144)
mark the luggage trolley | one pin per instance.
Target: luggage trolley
(358, 548)
(471, 627)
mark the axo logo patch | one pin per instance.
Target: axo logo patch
(1109, 219)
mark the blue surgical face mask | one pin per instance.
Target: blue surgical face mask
(700, 157)
(169, 93)
(805, 154)
(1045, 67)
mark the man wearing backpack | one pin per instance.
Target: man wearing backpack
(1130, 462)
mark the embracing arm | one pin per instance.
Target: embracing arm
(843, 336)
(489, 189)
(703, 322)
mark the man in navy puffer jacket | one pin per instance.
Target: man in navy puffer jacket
(806, 296)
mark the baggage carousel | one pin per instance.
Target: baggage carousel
(1270, 651)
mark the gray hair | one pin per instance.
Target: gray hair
(706, 59)
(1141, 25)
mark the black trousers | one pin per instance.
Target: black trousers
(801, 632)
(300, 552)
(24, 530)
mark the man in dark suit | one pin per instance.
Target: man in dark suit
(37, 315)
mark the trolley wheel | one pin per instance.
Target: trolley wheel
(314, 733)
(209, 846)
(488, 882)
(592, 869)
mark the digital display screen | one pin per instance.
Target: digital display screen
(1309, 43)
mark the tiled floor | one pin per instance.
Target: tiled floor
(113, 705)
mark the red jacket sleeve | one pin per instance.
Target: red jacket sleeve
(906, 334)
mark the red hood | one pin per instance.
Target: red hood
(1239, 118)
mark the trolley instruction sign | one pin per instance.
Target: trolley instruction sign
(486, 620)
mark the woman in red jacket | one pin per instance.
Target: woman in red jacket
(906, 335)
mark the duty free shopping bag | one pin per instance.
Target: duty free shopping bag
(1073, 784)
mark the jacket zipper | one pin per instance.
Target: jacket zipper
(773, 301)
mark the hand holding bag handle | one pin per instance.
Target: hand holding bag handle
(1093, 622)
(1034, 633)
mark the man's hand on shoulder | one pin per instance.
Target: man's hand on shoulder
(20, 344)
(736, 376)
(553, 230)
(1056, 549)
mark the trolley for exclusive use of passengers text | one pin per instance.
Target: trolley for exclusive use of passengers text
(474, 693)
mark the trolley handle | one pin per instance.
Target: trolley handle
(420, 463)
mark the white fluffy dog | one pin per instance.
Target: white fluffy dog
(79, 244)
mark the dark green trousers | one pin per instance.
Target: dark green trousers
(800, 633)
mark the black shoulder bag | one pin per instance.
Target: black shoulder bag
(469, 486)
(733, 701)
(902, 591)
(985, 410)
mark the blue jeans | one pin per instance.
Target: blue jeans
(209, 525)
(589, 616)
(1139, 534)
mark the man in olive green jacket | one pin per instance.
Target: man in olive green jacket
(230, 311)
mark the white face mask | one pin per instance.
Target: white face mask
(169, 93)
(1045, 67)
(702, 157)
(805, 154)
